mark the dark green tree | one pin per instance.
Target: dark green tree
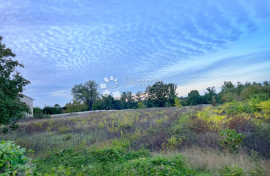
(107, 102)
(117, 104)
(12, 83)
(227, 86)
(130, 100)
(208, 96)
(158, 94)
(194, 97)
(123, 100)
(87, 92)
(266, 83)
(172, 94)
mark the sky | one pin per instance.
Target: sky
(195, 44)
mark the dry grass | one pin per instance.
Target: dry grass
(213, 160)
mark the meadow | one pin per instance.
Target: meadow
(230, 139)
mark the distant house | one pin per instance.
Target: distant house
(29, 101)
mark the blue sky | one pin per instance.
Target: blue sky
(195, 44)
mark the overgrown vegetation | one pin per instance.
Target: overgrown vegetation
(228, 139)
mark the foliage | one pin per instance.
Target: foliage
(13, 160)
(64, 129)
(107, 102)
(51, 110)
(141, 105)
(215, 121)
(11, 85)
(177, 103)
(194, 97)
(87, 92)
(235, 107)
(231, 140)
(76, 106)
(115, 139)
(157, 166)
(209, 95)
(265, 110)
(160, 93)
(61, 171)
(255, 89)
(229, 171)
(38, 113)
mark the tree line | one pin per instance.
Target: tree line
(163, 95)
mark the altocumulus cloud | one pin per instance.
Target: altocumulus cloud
(192, 43)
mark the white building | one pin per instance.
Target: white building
(29, 101)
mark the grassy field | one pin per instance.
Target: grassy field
(164, 141)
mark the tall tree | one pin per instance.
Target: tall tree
(107, 102)
(123, 100)
(172, 93)
(87, 92)
(211, 92)
(194, 97)
(227, 86)
(158, 93)
(11, 85)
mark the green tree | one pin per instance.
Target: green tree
(57, 105)
(227, 86)
(158, 94)
(123, 100)
(11, 85)
(211, 92)
(87, 92)
(172, 94)
(266, 83)
(107, 102)
(117, 104)
(194, 97)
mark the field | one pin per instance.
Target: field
(224, 140)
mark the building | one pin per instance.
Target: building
(29, 101)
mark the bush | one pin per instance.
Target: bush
(141, 105)
(229, 171)
(236, 107)
(52, 110)
(156, 166)
(38, 113)
(259, 140)
(13, 160)
(231, 140)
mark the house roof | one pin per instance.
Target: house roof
(27, 96)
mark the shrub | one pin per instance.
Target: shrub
(229, 171)
(141, 105)
(236, 107)
(156, 166)
(60, 170)
(13, 160)
(231, 140)
(177, 103)
(118, 154)
(64, 129)
(265, 110)
(259, 140)
(100, 125)
(37, 113)
(51, 110)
